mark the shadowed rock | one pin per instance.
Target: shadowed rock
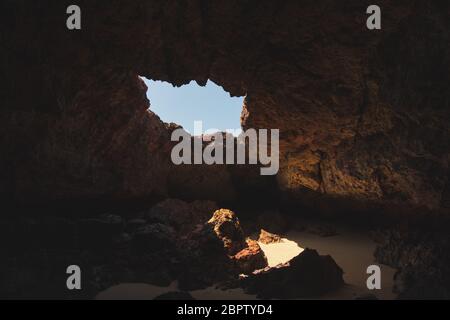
(227, 228)
(308, 275)
(250, 258)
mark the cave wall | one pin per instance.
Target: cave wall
(362, 114)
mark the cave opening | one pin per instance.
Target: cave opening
(190, 103)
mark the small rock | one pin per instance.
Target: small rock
(227, 228)
(267, 237)
(308, 275)
(181, 215)
(207, 253)
(251, 258)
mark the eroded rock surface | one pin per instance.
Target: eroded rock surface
(363, 119)
(112, 249)
(226, 226)
(250, 258)
(267, 237)
(422, 257)
(306, 275)
(362, 115)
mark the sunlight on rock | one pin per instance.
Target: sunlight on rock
(280, 252)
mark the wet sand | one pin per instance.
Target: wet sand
(352, 251)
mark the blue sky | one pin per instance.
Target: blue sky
(191, 102)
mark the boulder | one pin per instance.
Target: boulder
(227, 228)
(307, 275)
(250, 258)
(204, 260)
(266, 237)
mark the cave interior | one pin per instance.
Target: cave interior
(86, 173)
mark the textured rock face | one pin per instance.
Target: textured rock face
(112, 249)
(267, 237)
(420, 250)
(306, 275)
(226, 226)
(363, 115)
(250, 258)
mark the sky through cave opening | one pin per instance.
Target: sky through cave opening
(184, 105)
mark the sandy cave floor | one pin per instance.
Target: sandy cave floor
(352, 251)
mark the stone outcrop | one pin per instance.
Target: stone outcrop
(306, 275)
(246, 253)
(250, 258)
(112, 249)
(267, 237)
(227, 228)
(420, 251)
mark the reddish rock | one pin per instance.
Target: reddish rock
(250, 258)
(362, 115)
(267, 237)
(227, 228)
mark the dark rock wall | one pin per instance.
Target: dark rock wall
(363, 114)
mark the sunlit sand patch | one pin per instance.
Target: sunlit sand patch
(280, 252)
(352, 251)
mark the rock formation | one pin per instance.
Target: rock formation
(267, 237)
(420, 250)
(246, 253)
(227, 228)
(250, 258)
(363, 115)
(363, 118)
(148, 247)
(307, 275)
